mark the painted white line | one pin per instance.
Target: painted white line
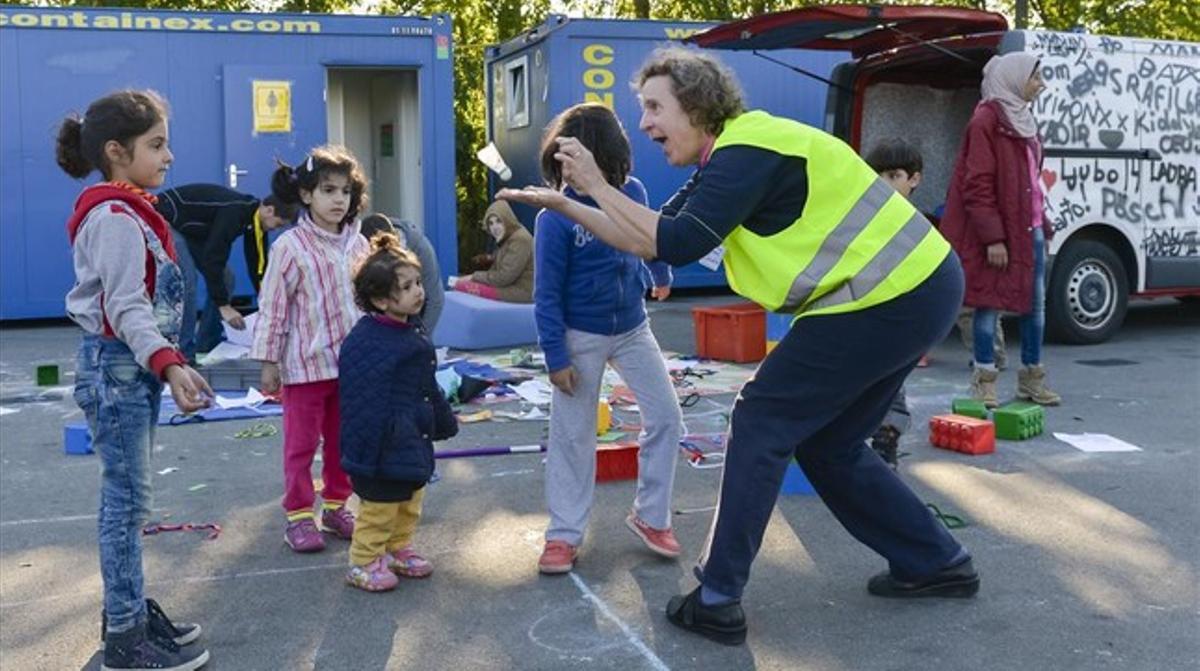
(633, 639)
(176, 581)
(47, 520)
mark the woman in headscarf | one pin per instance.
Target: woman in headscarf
(996, 222)
(510, 278)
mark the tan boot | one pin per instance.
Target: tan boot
(1031, 386)
(983, 386)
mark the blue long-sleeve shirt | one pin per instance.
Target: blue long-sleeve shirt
(584, 284)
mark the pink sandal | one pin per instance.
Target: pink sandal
(406, 562)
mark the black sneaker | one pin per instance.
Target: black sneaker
(724, 624)
(885, 443)
(958, 581)
(134, 650)
(159, 626)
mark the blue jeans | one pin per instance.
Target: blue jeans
(1032, 323)
(120, 400)
(210, 331)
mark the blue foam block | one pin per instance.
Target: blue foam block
(77, 439)
(471, 322)
(795, 482)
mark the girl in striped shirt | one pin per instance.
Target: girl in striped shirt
(306, 308)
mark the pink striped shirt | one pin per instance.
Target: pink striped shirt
(306, 306)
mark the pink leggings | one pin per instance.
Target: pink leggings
(310, 413)
(477, 288)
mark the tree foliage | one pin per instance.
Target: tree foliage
(479, 23)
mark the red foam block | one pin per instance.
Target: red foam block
(962, 434)
(617, 462)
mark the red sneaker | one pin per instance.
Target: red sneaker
(660, 541)
(557, 557)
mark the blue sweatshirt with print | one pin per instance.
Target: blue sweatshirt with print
(584, 284)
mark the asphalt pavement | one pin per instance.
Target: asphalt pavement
(1089, 560)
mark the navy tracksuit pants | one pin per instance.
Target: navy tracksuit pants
(817, 398)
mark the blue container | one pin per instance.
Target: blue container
(565, 61)
(795, 482)
(77, 439)
(244, 90)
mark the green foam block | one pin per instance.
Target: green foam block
(1019, 421)
(969, 407)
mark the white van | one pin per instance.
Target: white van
(1120, 119)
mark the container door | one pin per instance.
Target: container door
(271, 112)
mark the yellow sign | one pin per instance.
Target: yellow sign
(272, 106)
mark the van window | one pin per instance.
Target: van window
(516, 92)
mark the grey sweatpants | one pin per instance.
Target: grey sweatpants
(571, 453)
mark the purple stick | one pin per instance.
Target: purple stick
(489, 451)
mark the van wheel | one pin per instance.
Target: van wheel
(1088, 294)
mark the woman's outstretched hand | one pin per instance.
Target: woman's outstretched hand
(536, 196)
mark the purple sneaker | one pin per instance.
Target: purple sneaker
(338, 521)
(302, 536)
(374, 577)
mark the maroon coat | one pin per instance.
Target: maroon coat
(990, 201)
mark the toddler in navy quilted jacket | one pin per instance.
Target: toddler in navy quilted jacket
(392, 411)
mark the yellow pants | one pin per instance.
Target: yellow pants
(384, 527)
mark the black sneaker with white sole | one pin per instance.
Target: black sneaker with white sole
(159, 626)
(135, 650)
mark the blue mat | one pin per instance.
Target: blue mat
(169, 413)
(471, 322)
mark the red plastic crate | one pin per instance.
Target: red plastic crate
(617, 462)
(968, 435)
(736, 332)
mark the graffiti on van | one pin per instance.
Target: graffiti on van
(1171, 242)
(1125, 99)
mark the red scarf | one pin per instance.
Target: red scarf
(141, 202)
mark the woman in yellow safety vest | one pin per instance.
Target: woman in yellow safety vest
(805, 227)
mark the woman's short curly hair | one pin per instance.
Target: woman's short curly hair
(706, 88)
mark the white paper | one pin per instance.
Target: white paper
(534, 391)
(253, 398)
(245, 336)
(225, 351)
(712, 260)
(1096, 442)
(8, 411)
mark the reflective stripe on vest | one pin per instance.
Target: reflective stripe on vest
(856, 243)
(834, 246)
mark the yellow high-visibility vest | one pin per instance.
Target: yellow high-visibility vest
(857, 243)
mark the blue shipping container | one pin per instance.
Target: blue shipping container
(565, 61)
(244, 90)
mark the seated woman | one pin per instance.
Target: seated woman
(510, 278)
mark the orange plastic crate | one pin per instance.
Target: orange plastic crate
(736, 333)
(968, 435)
(617, 462)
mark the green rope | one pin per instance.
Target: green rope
(260, 430)
(951, 521)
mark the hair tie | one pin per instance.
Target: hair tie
(308, 164)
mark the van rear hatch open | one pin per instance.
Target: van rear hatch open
(860, 29)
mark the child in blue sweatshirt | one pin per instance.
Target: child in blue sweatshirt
(589, 307)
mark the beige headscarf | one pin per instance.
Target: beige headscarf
(1004, 79)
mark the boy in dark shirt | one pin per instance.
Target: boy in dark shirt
(209, 218)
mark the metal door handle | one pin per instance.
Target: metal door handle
(233, 175)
